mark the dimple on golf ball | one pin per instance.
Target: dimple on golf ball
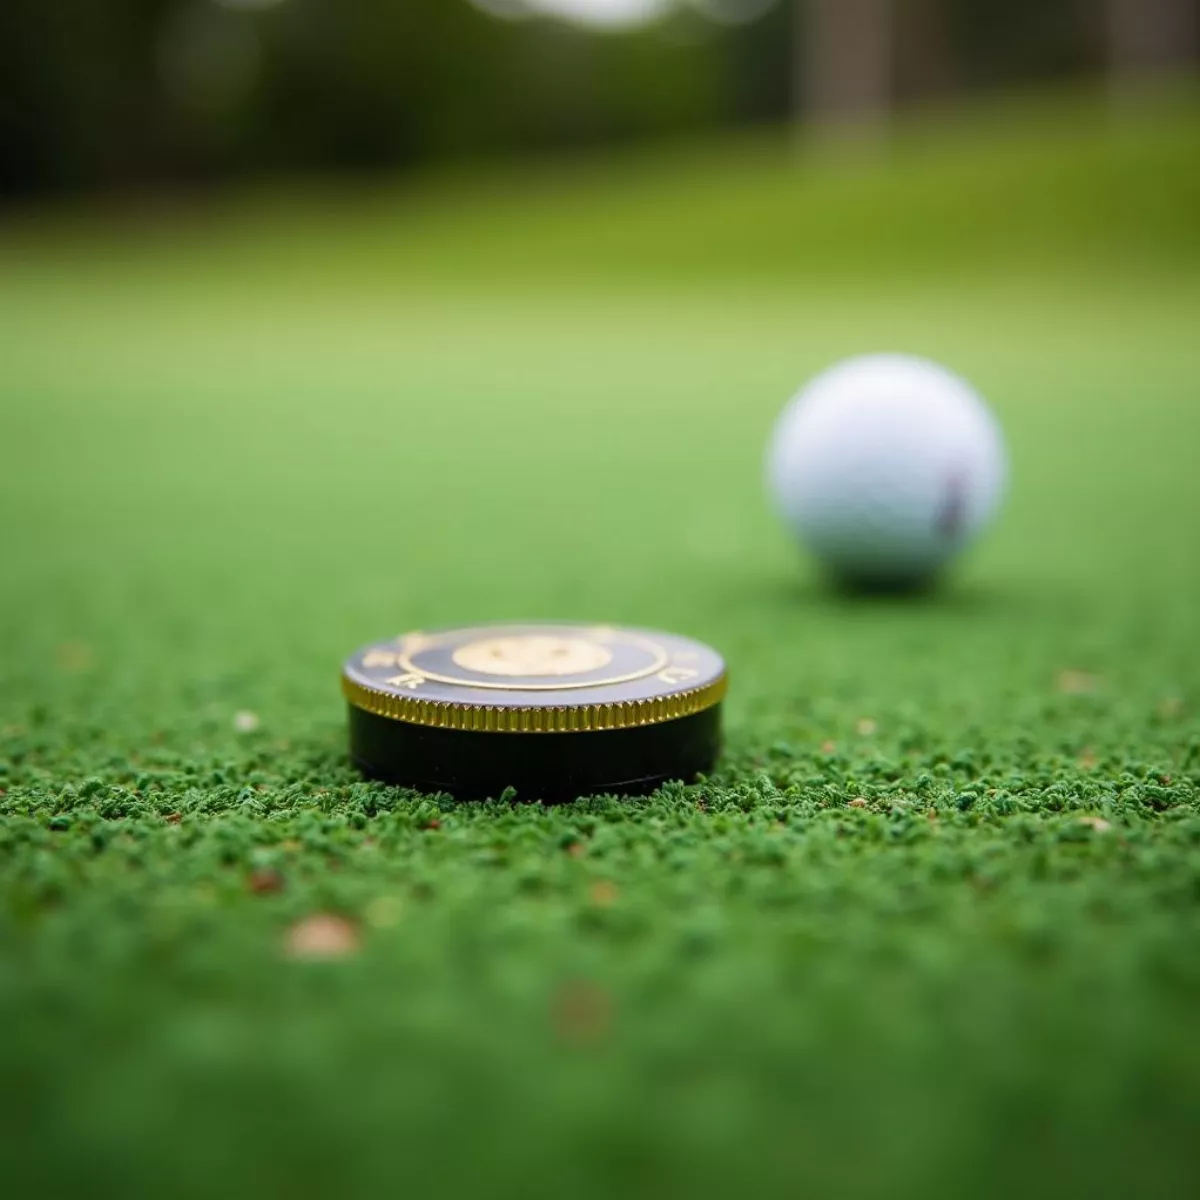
(885, 467)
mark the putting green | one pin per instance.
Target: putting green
(933, 924)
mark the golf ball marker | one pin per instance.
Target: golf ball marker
(539, 706)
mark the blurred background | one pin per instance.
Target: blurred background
(326, 319)
(132, 93)
(543, 239)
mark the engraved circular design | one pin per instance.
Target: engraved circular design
(432, 657)
(532, 654)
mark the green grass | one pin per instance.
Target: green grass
(240, 442)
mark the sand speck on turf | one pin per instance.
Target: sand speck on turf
(245, 721)
(865, 727)
(1076, 683)
(1099, 824)
(857, 802)
(321, 936)
(74, 656)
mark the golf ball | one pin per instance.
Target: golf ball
(885, 467)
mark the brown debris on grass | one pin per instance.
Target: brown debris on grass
(265, 881)
(581, 1013)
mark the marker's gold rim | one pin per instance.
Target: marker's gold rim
(559, 718)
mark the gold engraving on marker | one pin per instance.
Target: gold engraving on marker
(647, 657)
(380, 658)
(532, 655)
(677, 674)
(410, 679)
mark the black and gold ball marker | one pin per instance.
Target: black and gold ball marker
(554, 711)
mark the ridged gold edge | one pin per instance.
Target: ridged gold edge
(574, 718)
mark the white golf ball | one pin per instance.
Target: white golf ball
(885, 467)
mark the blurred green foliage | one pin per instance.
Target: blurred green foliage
(141, 89)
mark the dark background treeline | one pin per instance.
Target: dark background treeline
(102, 94)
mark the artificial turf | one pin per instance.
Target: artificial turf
(932, 926)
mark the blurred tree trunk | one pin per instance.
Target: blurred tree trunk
(844, 53)
(1149, 39)
(922, 51)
